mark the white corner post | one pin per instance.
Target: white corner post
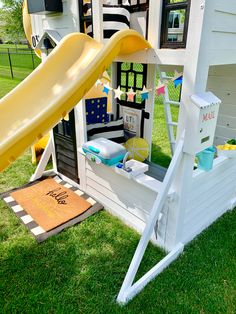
(81, 137)
(128, 289)
(194, 81)
(114, 83)
(149, 107)
(154, 23)
(97, 11)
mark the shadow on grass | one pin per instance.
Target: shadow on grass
(160, 158)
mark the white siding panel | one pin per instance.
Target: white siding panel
(122, 213)
(224, 39)
(224, 22)
(200, 176)
(221, 201)
(228, 6)
(117, 210)
(125, 198)
(121, 185)
(191, 231)
(210, 197)
(227, 121)
(222, 83)
(225, 132)
(227, 97)
(199, 201)
(220, 139)
(222, 35)
(129, 204)
(228, 110)
(223, 70)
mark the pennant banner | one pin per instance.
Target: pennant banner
(118, 92)
(144, 93)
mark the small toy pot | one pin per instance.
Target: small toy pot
(205, 158)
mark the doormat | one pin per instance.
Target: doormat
(48, 206)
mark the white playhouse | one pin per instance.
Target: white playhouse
(196, 39)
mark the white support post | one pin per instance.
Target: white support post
(128, 291)
(98, 17)
(182, 188)
(81, 137)
(154, 23)
(54, 159)
(114, 83)
(194, 61)
(194, 81)
(149, 108)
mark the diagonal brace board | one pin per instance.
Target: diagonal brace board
(43, 160)
(128, 289)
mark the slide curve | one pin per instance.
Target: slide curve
(28, 27)
(52, 90)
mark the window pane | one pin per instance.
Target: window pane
(176, 20)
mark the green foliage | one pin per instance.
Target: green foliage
(11, 20)
(232, 142)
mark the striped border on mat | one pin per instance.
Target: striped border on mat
(38, 232)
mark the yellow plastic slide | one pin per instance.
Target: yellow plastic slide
(55, 87)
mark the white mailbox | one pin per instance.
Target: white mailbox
(201, 122)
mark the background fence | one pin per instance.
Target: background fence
(17, 61)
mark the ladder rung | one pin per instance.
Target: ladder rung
(172, 123)
(174, 103)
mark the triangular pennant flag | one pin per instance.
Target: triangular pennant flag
(144, 96)
(178, 81)
(160, 88)
(178, 78)
(145, 93)
(107, 88)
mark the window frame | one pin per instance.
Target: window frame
(166, 9)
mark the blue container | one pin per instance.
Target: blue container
(109, 152)
(205, 158)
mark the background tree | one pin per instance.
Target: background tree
(11, 27)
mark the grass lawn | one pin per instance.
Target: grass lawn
(23, 62)
(12, 47)
(6, 85)
(82, 269)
